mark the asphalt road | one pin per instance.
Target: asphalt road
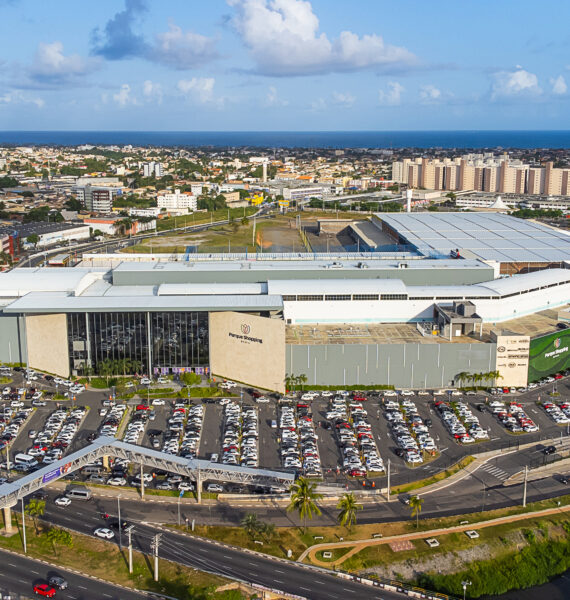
(18, 576)
(235, 564)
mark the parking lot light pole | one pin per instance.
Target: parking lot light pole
(465, 584)
(388, 482)
(525, 482)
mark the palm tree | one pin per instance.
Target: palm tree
(348, 509)
(302, 379)
(59, 536)
(303, 499)
(461, 377)
(250, 524)
(477, 378)
(416, 506)
(268, 531)
(36, 509)
(288, 381)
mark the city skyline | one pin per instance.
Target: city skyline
(281, 64)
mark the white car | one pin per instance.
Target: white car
(389, 393)
(145, 381)
(62, 501)
(117, 481)
(214, 488)
(262, 400)
(104, 533)
(158, 402)
(129, 384)
(162, 380)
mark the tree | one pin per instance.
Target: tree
(33, 238)
(462, 377)
(251, 524)
(302, 379)
(304, 500)
(416, 506)
(190, 379)
(289, 381)
(36, 509)
(245, 221)
(73, 204)
(61, 537)
(348, 509)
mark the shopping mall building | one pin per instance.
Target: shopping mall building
(416, 319)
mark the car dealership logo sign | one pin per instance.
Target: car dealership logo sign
(245, 329)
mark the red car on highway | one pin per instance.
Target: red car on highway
(45, 590)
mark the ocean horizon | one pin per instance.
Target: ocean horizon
(460, 139)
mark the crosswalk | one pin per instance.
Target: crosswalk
(495, 471)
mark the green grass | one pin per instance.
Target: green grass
(408, 487)
(104, 560)
(205, 217)
(4, 380)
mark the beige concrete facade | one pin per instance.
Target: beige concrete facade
(512, 358)
(248, 348)
(46, 337)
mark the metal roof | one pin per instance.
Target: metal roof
(194, 289)
(491, 236)
(19, 282)
(54, 302)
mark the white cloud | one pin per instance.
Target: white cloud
(429, 93)
(123, 96)
(51, 65)
(393, 95)
(200, 90)
(346, 99)
(182, 50)
(152, 91)
(515, 83)
(283, 38)
(559, 86)
(272, 98)
(16, 97)
(318, 105)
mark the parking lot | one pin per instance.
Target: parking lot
(254, 432)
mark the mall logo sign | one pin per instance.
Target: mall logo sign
(244, 337)
(558, 351)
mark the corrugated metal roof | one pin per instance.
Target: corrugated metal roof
(50, 303)
(19, 282)
(491, 236)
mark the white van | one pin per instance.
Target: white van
(26, 459)
(78, 493)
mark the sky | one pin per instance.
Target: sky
(274, 65)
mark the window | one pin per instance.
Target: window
(289, 298)
(365, 296)
(393, 297)
(308, 297)
(421, 298)
(337, 297)
(449, 298)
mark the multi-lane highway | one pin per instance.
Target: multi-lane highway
(19, 574)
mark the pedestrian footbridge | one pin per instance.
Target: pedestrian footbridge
(198, 470)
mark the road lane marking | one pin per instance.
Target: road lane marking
(303, 588)
(347, 590)
(226, 556)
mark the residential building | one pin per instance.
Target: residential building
(177, 200)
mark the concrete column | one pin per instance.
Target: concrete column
(8, 519)
(106, 462)
(199, 488)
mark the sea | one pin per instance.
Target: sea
(296, 139)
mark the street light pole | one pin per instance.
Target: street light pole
(465, 584)
(388, 482)
(129, 531)
(525, 482)
(119, 511)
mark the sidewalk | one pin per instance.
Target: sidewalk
(358, 545)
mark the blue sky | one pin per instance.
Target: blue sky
(284, 64)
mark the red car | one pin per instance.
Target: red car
(558, 376)
(45, 590)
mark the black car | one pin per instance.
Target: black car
(563, 479)
(39, 495)
(58, 582)
(549, 450)
(115, 525)
(481, 408)
(400, 452)
(48, 377)
(428, 422)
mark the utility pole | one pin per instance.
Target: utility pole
(24, 528)
(154, 547)
(129, 531)
(525, 481)
(119, 514)
(388, 482)
(142, 482)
